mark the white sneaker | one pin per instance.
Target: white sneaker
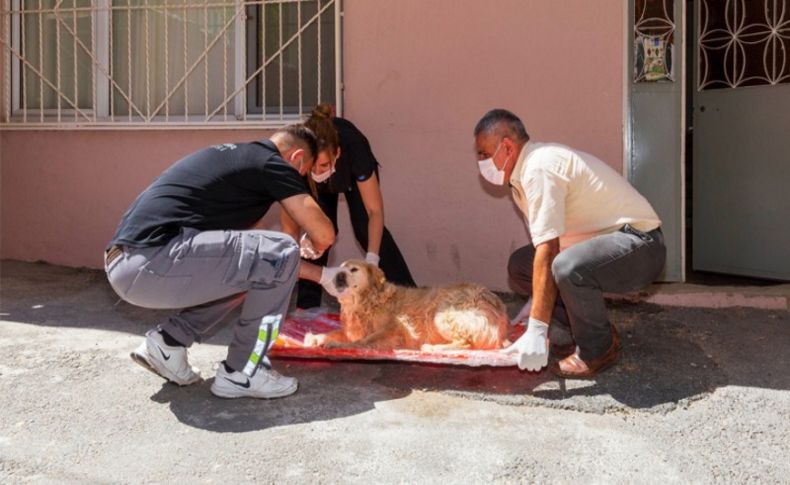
(165, 361)
(264, 383)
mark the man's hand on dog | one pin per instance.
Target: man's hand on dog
(328, 275)
(531, 349)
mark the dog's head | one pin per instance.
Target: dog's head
(363, 291)
(359, 281)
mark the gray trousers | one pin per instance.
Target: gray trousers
(623, 261)
(208, 275)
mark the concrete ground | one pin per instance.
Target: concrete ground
(700, 395)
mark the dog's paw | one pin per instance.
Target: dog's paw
(313, 340)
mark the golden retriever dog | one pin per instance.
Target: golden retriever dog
(375, 314)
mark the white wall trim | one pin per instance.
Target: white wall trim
(683, 102)
(626, 93)
(101, 46)
(339, 16)
(15, 64)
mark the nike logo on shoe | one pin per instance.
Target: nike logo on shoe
(166, 356)
(245, 385)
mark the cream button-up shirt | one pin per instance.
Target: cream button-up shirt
(574, 196)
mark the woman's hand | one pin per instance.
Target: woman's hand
(372, 258)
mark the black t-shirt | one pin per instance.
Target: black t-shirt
(356, 162)
(229, 186)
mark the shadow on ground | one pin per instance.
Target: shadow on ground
(326, 391)
(671, 357)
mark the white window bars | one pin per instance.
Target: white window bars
(169, 63)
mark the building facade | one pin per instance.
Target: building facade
(98, 97)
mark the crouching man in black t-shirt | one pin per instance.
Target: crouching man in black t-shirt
(186, 243)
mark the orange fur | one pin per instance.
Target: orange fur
(380, 315)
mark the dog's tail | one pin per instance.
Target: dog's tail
(495, 312)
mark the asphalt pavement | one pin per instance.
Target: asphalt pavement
(701, 395)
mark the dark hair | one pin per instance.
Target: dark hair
(503, 123)
(320, 121)
(300, 134)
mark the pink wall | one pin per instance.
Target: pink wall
(418, 75)
(64, 192)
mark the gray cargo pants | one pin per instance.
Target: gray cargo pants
(208, 275)
(623, 261)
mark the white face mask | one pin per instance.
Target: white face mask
(489, 171)
(322, 177)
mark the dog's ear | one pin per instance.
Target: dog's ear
(377, 277)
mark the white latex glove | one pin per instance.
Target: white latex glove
(372, 258)
(531, 349)
(327, 279)
(307, 250)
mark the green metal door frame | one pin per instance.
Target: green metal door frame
(654, 139)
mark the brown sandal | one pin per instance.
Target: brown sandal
(562, 351)
(573, 367)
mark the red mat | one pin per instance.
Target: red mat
(290, 343)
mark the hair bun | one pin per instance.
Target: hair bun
(322, 124)
(323, 110)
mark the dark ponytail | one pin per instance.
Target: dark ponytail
(320, 121)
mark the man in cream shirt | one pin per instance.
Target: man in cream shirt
(591, 232)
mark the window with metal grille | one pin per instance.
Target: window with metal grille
(168, 62)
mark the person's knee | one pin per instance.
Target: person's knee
(276, 259)
(290, 253)
(566, 271)
(288, 241)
